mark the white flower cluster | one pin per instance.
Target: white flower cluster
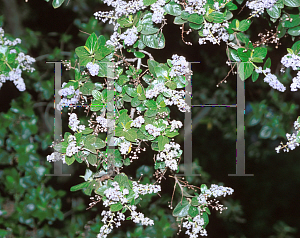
(124, 147)
(291, 60)
(258, 6)
(157, 89)
(175, 125)
(102, 121)
(15, 76)
(296, 82)
(104, 16)
(291, 144)
(138, 217)
(56, 156)
(5, 41)
(72, 148)
(66, 91)
(214, 33)
(169, 155)
(25, 61)
(144, 189)
(196, 226)
(93, 68)
(215, 191)
(65, 102)
(129, 36)
(271, 79)
(180, 66)
(195, 6)
(114, 41)
(115, 195)
(74, 123)
(107, 228)
(158, 11)
(137, 122)
(177, 98)
(153, 130)
(123, 7)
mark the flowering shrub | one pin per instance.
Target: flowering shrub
(149, 92)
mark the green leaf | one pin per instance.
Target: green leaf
(195, 18)
(139, 54)
(260, 52)
(130, 135)
(245, 70)
(161, 70)
(171, 84)
(101, 40)
(295, 31)
(156, 41)
(244, 54)
(92, 159)
(57, 3)
(87, 131)
(149, 29)
(92, 43)
(79, 186)
(181, 210)
(179, 21)
(173, 9)
(171, 134)
(69, 160)
(193, 211)
(152, 64)
(292, 3)
(255, 76)
(231, 6)
(267, 64)
(203, 188)
(274, 12)
(102, 52)
(97, 95)
(244, 25)
(135, 102)
(149, 2)
(265, 132)
(61, 147)
(160, 165)
(162, 140)
(205, 218)
(123, 180)
(81, 52)
(151, 104)
(116, 207)
(195, 201)
(87, 88)
(150, 113)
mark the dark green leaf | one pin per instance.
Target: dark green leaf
(182, 209)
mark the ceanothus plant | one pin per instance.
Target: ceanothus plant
(148, 88)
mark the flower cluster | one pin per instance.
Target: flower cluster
(175, 125)
(157, 89)
(291, 60)
(271, 79)
(65, 102)
(194, 227)
(158, 11)
(296, 82)
(215, 191)
(93, 68)
(214, 33)
(180, 66)
(137, 122)
(124, 147)
(144, 189)
(195, 6)
(114, 195)
(108, 224)
(129, 36)
(74, 123)
(56, 156)
(258, 6)
(177, 98)
(72, 148)
(292, 140)
(169, 155)
(153, 130)
(102, 121)
(24, 62)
